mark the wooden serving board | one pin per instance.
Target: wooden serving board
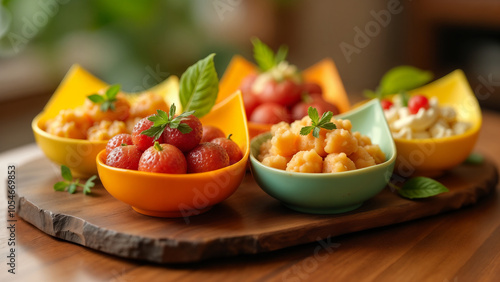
(248, 222)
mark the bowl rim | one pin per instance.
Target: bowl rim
(386, 163)
(35, 125)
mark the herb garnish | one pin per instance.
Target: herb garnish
(199, 86)
(265, 57)
(107, 100)
(161, 120)
(420, 187)
(398, 79)
(318, 123)
(71, 185)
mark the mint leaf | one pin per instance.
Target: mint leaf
(263, 55)
(107, 101)
(112, 92)
(161, 120)
(66, 173)
(403, 78)
(421, 187)
(60, 186)
(96, 98)
(199, 86)
(72, 188)
(317, 123)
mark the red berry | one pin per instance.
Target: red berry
(270, 113)
(210, 133)
(417, 102)
(386, 104)
(124, 157)
(285, 92)
(316, 101)
(140, 140)
(232, 149)
(247, 83)
(251, 102)
(311, 88)
(184, 141)
(117, 140)
(163, 158)
(206, 157)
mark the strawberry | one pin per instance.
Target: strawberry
(163, 158)
(206, 157)
(124, 156)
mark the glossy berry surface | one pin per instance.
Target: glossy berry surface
(285, 92)
(232, 149)
(118, 140)
(210, 133)
(311, 88)
(417, 102)
(127, 157)
(206, 157)
(163, 158)
(142, 141)
(386, 104)
(270, 113)
(184, 141)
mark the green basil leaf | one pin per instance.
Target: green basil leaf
(199, 86)
(60, 186)
(66, 173)
(370, 94)
(281, 54)
(96, 98)
(421, 187)
(402, 78)
(263, 55)
(475, 158)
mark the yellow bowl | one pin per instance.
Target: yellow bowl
(433, 156)
(324, 73)
(182, 195)
(79, 155)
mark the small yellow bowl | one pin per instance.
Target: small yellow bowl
(79, 155)
(324, 73)
(182, 195)
(431, 157)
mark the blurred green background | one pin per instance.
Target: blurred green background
(139, 43)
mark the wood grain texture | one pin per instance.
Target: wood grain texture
(249, 222)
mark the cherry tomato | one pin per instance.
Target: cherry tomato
(311, 88)
(285, 92)
(300, 109)
(417, 102)
(247, 82)
(270, 113)
(386, 104)
(251, 102)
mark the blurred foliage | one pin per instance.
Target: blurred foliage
(120, 41)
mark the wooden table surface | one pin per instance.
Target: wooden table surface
(462, 245)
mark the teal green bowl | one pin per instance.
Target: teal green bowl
(331, 193)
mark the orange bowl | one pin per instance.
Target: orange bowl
(183, 195)
(324, 73)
